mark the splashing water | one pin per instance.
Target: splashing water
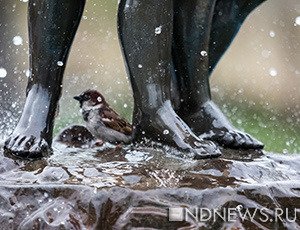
(18, 40)
(273, 72)
(166, 132)
(3, 73)
(158, 30)
(297, 21)
(203, 53)
(27, 73)
(60, 63)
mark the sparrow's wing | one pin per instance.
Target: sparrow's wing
(112, 120)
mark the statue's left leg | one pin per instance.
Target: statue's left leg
(204, 30)
(52, 27)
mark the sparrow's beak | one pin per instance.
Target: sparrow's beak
(78, 98)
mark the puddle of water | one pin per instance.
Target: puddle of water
(148, 168)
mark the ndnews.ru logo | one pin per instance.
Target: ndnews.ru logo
(232, 214)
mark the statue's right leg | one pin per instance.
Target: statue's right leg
(52, 27)
(145, 29)
(227, 20)
(208, 26)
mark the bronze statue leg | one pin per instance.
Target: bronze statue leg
(145, 29)
(203, 31)
(52, 27)
(227, 20)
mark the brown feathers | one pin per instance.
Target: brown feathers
(112, 120)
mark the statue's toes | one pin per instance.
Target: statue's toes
(225, 138)
(39, 148)
(25, 143)
(235, 139)
(252, 143)
(27, 146)
(222, 138)
(15, 143)
(9, 143)
(206, 149)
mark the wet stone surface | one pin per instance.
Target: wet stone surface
(114, 187)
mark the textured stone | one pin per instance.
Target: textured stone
(112, 187)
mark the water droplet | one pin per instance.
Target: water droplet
(125, 105)
(166, 132)
(203, 53)
(297, 21)
(273, 72)
(99, 99)
(28, 73)
(239, 207)
(18, 40)
(140, 66)
(272, 34)
(3, 73)
(266, 53)
(13, 105)
(285, 151)
(60, 63)
(158, 30)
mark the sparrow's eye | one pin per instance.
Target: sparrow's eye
(86, 97)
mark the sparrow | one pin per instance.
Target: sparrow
(101, 120)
